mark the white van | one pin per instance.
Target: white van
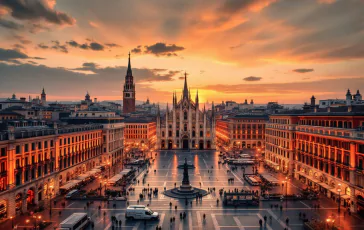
(140, 212)
(71, 193)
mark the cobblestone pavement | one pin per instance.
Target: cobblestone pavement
(217, 216)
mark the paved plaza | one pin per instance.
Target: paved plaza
(209, 174)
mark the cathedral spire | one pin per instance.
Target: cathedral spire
(43, 92)
(185, 88)
(197, 97)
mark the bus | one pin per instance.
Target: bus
(76, 221)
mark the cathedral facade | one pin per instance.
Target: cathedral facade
(185, 126)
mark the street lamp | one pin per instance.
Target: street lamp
(339, 191)
(286, 181)
(12, 222)
(50, 200)
(108, 163)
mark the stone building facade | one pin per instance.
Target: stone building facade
(185, 126)
(36, 160)
(324, 150)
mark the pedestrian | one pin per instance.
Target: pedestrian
(170, 204)
(265, 218)
(260, 222)
(184, 215)
(175, 207)
(287, 221)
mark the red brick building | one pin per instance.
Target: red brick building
(129, 91)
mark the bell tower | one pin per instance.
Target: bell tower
(129, 91)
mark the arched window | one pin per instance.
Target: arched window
(185, 115)
(201, 133)
(185, 127)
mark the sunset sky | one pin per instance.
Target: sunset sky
(266, 50)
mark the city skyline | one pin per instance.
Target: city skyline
(269, 50)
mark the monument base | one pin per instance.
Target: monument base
(184, 192)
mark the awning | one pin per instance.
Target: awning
(76, 181)
(96, 170)
(68, 186)
(91, 173)
(334, 191)
(345, 196)
(83, 176)
(325, 186)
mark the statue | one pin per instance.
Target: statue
(186, 180)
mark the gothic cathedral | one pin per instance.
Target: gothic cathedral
(185, 126)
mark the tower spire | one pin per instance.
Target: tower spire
(129, 67)
(185, 88)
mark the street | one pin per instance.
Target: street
(211, 175)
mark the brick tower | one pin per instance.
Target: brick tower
(129, 91)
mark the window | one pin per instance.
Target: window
(39, 145)
(26, 147)
(17, 149)
(185, 115)
(3, 152)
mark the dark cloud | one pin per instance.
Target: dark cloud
(56, 45)
(22, 40)
(96, 46)
(33, 62)
(233, 6)
(93, 45)
(43, 46)
(252, 78)
(10, 24)
(303, 70)
(35, 10)
(36, 27)
(140, 75)
(111, 45)
(137, 50)
(335, 86)
(73, 43)
(19, 46)
(8, 54)
(104, 80)
(162, 49)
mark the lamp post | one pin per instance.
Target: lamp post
(12, 222)
(286, 181)
(108, 163)
(50, 200)
(339, 191)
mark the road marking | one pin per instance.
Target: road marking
(161, 220)
(190, 220)
(205, 163)
(136, 226)
(108, 226)
(237, 221)
(264, 223)
(277, 219)
(199, 222)
(305, 204)
(167, 174)
(194, 209)
(69, 205)
(164, 184)
(214, 221)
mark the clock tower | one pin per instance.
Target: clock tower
(129, 91)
